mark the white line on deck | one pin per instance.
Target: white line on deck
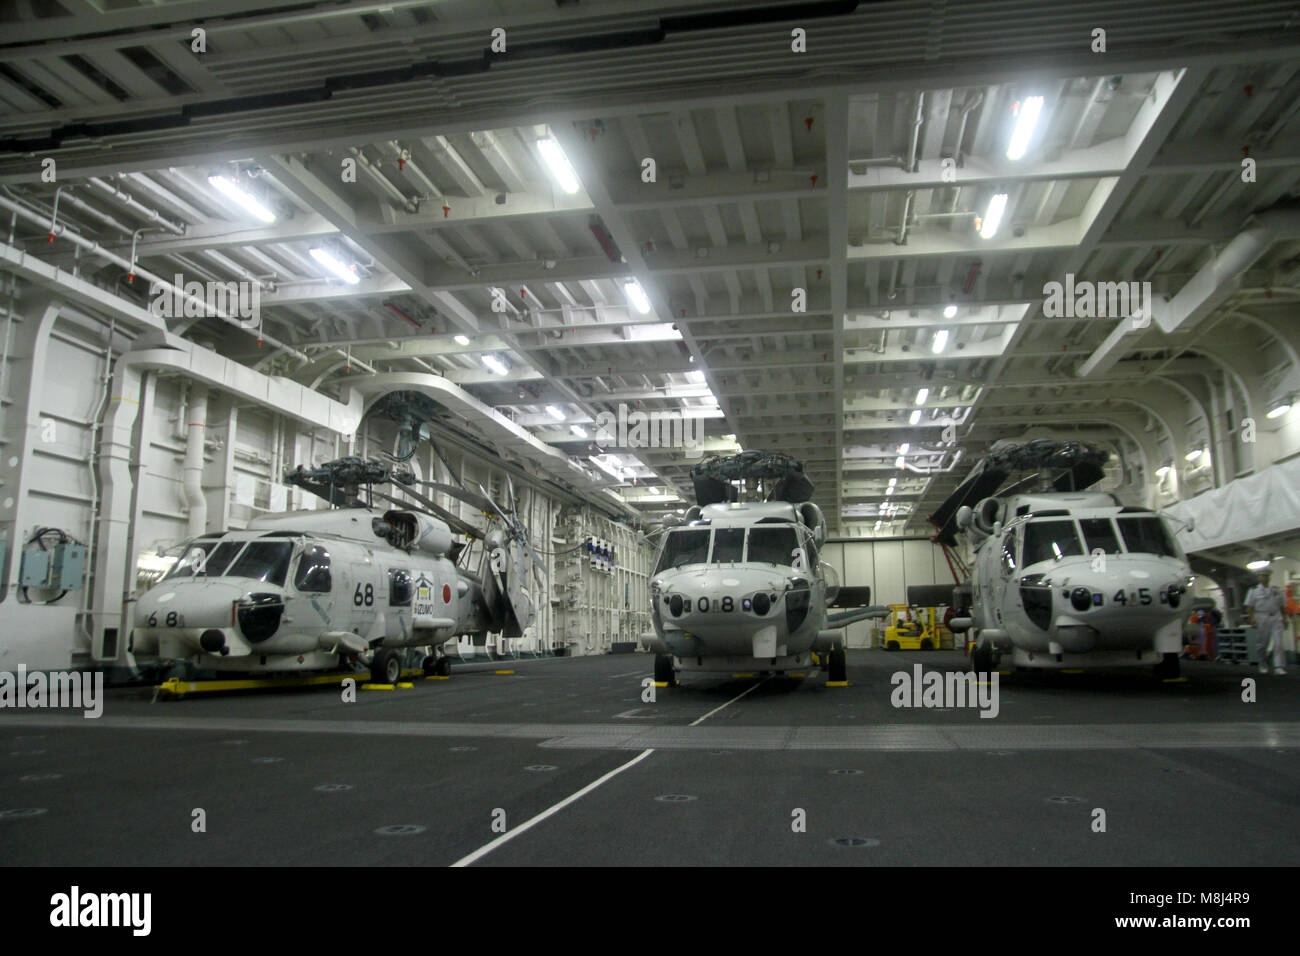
(550, 811)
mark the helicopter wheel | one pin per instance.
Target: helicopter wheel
(839, 666)
(430, 665)
(386, 668)
(981, 659)
(443, 668)
(664, 671)
(1168, 667)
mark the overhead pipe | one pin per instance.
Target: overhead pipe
(966, 110)
(410, 166)
(96, 249)
(916, 132)
(196, 429)
(383, 181)
(127, 200)
(907, 211)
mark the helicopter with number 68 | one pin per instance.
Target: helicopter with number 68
(317, 590)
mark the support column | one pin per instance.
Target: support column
(195, 432)
(39, 636)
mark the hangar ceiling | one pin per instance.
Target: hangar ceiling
(810, 246)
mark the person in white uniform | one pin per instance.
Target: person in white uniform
(1266, 611)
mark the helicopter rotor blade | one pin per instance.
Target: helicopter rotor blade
(495, 506)
(471, 499)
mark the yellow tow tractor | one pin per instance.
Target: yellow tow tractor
(911, 629)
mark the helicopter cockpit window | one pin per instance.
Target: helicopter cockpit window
(264, 560)
(1099, 533)
(1049, 541)
(773, 546)
(1147, 536)
(192, 554)
(684, 546)
(399, 587)
(314, 570)
(728, 545)
(219, 558)
(1009, 553)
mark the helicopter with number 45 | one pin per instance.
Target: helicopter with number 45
(1062, 576)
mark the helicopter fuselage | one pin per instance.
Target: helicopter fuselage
(305, 591)
(740, 589)
(1061, 586)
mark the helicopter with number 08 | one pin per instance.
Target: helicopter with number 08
(738, 585)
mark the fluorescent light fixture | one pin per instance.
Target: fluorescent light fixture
(914, 417)
(1280, 409)
(898, 462)
(462, 340)
(555, 413)
(231, 190)
(495, 364)
(1194, 454)
(340, 271)
(892, 482)
(558, 164)
(1259, 565)
(578, 430)
(1163, 470)
(1026, 120)
(889, 490)
(993, 217)
(695, 377)
(940, 341)
(949, 311)
(904, 448)
(921, 395)
(877, 528)
(636, 295)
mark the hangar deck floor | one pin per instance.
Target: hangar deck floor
(1187, 773)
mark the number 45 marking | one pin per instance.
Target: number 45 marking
(1143, 597)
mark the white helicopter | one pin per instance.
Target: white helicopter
(738, 585)
(1063, 577)
(313, 590)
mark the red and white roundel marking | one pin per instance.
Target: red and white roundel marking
(446, 594)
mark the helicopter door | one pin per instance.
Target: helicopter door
(1006, 569)
(314, 581)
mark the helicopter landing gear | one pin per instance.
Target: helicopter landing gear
(386, 668)
(981, 659)
(838, 670)
(435, 666)
(1168, 668)
(665, 673)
